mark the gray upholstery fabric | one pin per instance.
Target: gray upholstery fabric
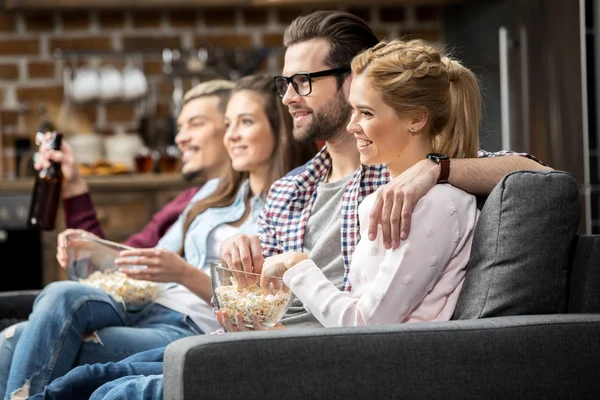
(522, 357)
(584, 282)
(520, 251)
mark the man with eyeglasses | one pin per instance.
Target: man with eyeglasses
(314, 209)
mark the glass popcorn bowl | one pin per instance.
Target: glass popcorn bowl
(91, 260)
(240, 292)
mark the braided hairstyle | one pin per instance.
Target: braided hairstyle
(413, 75)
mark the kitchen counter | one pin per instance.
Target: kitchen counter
(110, 183)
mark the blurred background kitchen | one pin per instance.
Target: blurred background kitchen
(110, 75)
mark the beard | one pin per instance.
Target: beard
(329, 122)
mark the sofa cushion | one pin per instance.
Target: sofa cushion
(521, 243)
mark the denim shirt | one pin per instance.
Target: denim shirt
(196, 239)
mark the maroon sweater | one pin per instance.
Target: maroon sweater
(81, 214)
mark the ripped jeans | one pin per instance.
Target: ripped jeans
(75, 324)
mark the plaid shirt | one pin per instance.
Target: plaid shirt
(289, 203)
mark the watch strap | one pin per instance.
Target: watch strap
(444, 171)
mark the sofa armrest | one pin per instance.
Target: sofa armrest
(543, 356)
(16, 306)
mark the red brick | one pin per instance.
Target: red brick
(153, 67)
(117, 62)
(163, 110)
(89, 112)
(19, 46)
(111, 19)
(392, 14)
(75, 20)
(164, 89)
(9, 72)
(49, 93)
(263, 66)
(280, 60)
(272, 39)
(146, 19)
(287, 14)
(434, 35)
(219, 16)
(41, 69)
(39, 21)
(361, 12)
(428, 13)
(382, 34)
(9, 117)
(183, 19)
(98, 43)
(8, 22)
(255, 16)
(224, 40)
(119, 113)
(133, 43)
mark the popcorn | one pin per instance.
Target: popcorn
(122, 288)
(252, 300)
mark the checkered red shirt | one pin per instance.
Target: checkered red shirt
(289, 203)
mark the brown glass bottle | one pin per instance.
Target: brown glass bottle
(46, 193)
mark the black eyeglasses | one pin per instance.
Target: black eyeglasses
(302, 82)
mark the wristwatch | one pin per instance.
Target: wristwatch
(444, 162)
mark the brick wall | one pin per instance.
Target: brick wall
(29, 72)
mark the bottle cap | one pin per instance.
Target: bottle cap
(53, 143)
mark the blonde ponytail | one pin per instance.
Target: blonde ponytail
(460, 137)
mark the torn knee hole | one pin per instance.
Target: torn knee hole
(10, 331)
(92, 337)
(22, 393)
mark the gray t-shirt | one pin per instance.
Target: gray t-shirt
(322, 243)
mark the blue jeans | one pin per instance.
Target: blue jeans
(97, 379)
(131, 387)
(75, 324)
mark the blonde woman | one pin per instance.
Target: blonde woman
(408, 102)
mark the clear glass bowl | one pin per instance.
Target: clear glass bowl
(91, 260)
(240, 292)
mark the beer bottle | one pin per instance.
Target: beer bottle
(46, 192)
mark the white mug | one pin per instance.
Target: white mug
(111, 83)
(86, 85)
(135, 84)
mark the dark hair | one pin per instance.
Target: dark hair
(288, 153)
(346, 33)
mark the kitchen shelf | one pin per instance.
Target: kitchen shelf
(109, 183)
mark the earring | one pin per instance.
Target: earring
(412, 129)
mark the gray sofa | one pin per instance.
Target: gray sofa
(527, 324)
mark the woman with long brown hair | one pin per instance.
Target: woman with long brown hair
(260, 145)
